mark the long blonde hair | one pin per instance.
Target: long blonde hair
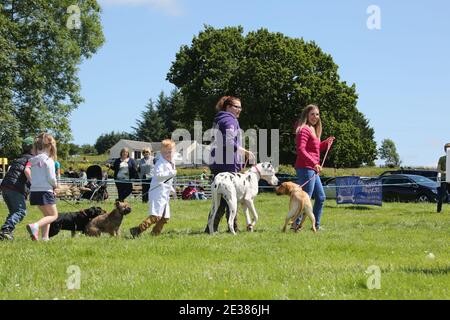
(46, 142)
(304, 120)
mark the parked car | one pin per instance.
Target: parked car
(431, 174)
(408, 187)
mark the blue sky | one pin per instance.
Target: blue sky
(401, 72)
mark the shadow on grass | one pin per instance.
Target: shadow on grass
(190, 232)
(429, 271)
(354, 208)
(360, 208)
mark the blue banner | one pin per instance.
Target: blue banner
(356, 190)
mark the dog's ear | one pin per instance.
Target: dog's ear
(287, 187)
(281, 189)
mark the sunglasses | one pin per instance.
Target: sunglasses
(237, 107)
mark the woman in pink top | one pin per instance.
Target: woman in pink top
(309, 146)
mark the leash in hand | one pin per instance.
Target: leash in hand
(317, 173)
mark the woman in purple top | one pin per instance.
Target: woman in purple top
(227, 152)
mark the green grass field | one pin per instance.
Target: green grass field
(408, 242)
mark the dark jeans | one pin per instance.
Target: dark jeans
(145, 188)
(442, 194)
(124, 190)
(17, 209)
(223, 208)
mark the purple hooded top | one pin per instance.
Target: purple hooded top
(224, 155)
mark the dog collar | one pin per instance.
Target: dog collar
(257, 170)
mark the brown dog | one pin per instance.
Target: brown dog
(299, 202)
(109, 222)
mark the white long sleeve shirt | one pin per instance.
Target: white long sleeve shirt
(43, 176)
(161, 187)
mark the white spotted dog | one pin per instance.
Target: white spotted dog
(239, 188)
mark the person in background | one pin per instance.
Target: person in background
(444, 187)
(15, 188)
(71, 173)
(189, 191)
(43, 184)
(58, 169)
(145, 168)
(124, 171)
(83, 177)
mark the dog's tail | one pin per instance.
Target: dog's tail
(301, 207)
(215, 203)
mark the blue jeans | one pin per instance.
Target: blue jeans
(17, 209)
(198, 196)
(312, 188)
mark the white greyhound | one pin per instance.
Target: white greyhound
(239, 188)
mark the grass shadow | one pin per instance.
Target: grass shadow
(354, 208)
(429, 271)
(190, 232)
(359, 208)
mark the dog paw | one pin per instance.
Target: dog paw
(298, 229)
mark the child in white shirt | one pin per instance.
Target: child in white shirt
(43, 183)
(160, 189)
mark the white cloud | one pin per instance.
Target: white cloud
(171, 7)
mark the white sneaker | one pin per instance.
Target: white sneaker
(33, 230)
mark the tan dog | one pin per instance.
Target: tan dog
(298, 203)
(108, 222)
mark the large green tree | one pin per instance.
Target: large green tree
(40, 52)
(276, 77)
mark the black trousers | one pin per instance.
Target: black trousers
(443, 191)
(145, 188)
(223, 209)
(124, 190)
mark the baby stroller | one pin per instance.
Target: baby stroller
(96, 188)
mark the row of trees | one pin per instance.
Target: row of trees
(158, 121)
(274, 75)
